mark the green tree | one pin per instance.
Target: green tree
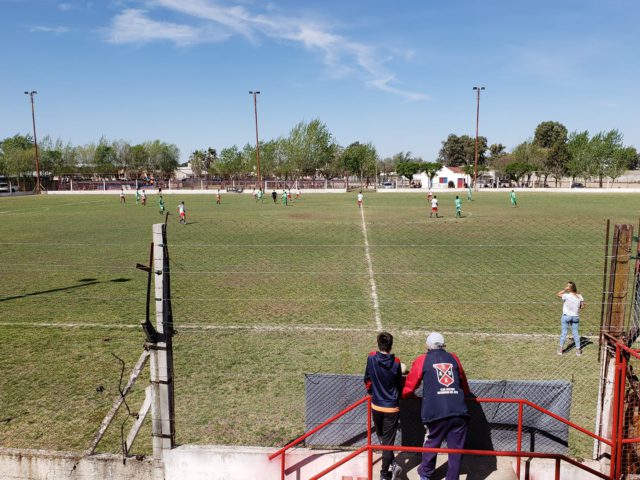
(311, 148)
(552, 138)
(579, 154)
(229, 164)
(458, 151)
(163, 157)
(139, 159)
(431, 169)
(103, 158)
(529, 153)
(360, 159)
(408, 169)
(549, 133)
(17, 156)
(603, 155)
(196, 160)
(516, 170)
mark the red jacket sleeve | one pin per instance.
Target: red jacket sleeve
(367, 376)
(463, 376)
(414, 378)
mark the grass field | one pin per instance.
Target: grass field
(262, 294)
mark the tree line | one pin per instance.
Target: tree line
(105, 158)
(310, 150)
(551, 153)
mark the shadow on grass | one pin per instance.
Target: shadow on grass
(584, 341)
(84, 282)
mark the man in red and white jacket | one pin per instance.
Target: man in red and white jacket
(444, 411)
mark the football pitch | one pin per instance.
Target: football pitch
(264, 293)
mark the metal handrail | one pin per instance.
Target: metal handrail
(519, 454)
(319, 427)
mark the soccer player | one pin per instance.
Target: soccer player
(182, 211)
(434, 206)
(218, 198)
(122, 197)
(274, 195)
(289, 195)
(255, 195)
(284, 198)
(360, 197)
(137, 196)
(161, 204)
(512, 197)
(458, 206)
(144, 198)
(429, 196)
(444, 410)
(298, 193)
(383, 381)
(261, 195)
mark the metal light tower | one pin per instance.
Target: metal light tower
(475, 170)
(255, 109)
(35, 140)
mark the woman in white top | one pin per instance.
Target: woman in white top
(572, 304)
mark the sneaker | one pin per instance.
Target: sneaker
(396, 470)
(579, 352)
(559, 351)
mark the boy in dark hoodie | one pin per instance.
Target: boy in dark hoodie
(383, 380)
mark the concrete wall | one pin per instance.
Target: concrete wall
(196, 462)
(49, 465)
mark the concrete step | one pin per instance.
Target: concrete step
(473, 467)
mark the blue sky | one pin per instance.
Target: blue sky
(396, 73)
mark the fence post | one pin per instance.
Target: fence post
(519, 446)
(161, 365)
(369, 450)
(613, 323)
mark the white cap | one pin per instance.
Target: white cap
(435, 340)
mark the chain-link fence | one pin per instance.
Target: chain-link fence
(264, 295)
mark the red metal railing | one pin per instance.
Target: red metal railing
(615, 443)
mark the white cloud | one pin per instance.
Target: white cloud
(55, 30)
(133, 26)
(342, 55)
(64, 7)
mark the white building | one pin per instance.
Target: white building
(443, 177)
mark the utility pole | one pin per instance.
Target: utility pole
(255, 109)
(475, 170)
(35, 140)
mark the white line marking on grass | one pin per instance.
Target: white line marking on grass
(289, 328)
(372, 280)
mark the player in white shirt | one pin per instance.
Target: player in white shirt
(571, 306)
(434, 206)
(360, 197)
(182, 212)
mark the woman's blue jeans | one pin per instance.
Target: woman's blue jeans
(565, 322)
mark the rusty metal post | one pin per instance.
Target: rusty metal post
(613, 323)
(619, 279)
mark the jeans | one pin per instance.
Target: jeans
(454, 430)
(386, 425)
(565, 321)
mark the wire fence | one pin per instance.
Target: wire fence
(262, 300)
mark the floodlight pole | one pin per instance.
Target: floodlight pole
(255, 110)
(35, 140)
(475, 170)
